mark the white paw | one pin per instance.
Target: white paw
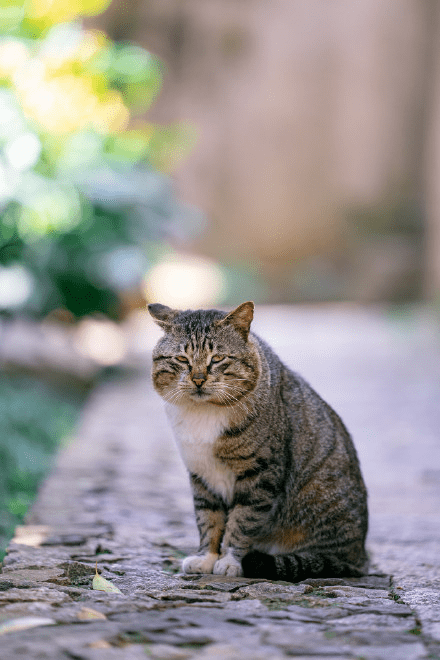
(199, 563)
(228, 565)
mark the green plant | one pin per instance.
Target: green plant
(81, 197)
(34, 420)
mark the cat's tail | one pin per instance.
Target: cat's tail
(297, 566)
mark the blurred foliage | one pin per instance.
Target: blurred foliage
(84, 197)
(80, 194)
(33, 420)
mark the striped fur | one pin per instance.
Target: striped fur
(277, 487)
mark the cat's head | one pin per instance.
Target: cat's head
(205, 356)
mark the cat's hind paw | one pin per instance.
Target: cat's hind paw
(228, 565)
(199, 563)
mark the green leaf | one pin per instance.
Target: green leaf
(101, 584)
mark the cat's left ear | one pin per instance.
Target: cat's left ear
(163, 315)
(241, 318)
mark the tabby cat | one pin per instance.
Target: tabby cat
(277, 487)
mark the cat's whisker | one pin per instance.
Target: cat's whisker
(230, 383)
(174, 396)
(232, 394)
(225, 397)
(233, 388)
(172, 392)
(234, 400)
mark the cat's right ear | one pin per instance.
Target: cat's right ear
(162, 315)
(241, 318)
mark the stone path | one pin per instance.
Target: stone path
(119, 497)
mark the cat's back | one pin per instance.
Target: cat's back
(313, 429)
(324, 477)
(286, 388)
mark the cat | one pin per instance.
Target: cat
(278, 492)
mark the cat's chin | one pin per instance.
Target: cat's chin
(199, 399)
(204, 399)
(200, 395)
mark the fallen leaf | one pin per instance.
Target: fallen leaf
(101, 584)
(14, 625)
(88, 613)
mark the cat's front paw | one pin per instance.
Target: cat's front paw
(199, 563)
(228, 565)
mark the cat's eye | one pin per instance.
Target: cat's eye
(182, 358)
(217, 358)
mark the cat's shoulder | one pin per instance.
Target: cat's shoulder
(278, 370)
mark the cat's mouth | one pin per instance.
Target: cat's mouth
(199, 394)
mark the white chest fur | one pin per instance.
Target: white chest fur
(196, 429)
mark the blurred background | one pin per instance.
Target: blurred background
(199, 152)
(317, 153)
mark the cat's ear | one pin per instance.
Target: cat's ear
(241, 318)
(162, 315)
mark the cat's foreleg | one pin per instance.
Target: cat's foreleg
(211, 519)
(245, 523)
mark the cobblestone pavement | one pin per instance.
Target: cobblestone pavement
(119, 497)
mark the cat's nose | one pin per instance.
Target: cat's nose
(199, 379)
